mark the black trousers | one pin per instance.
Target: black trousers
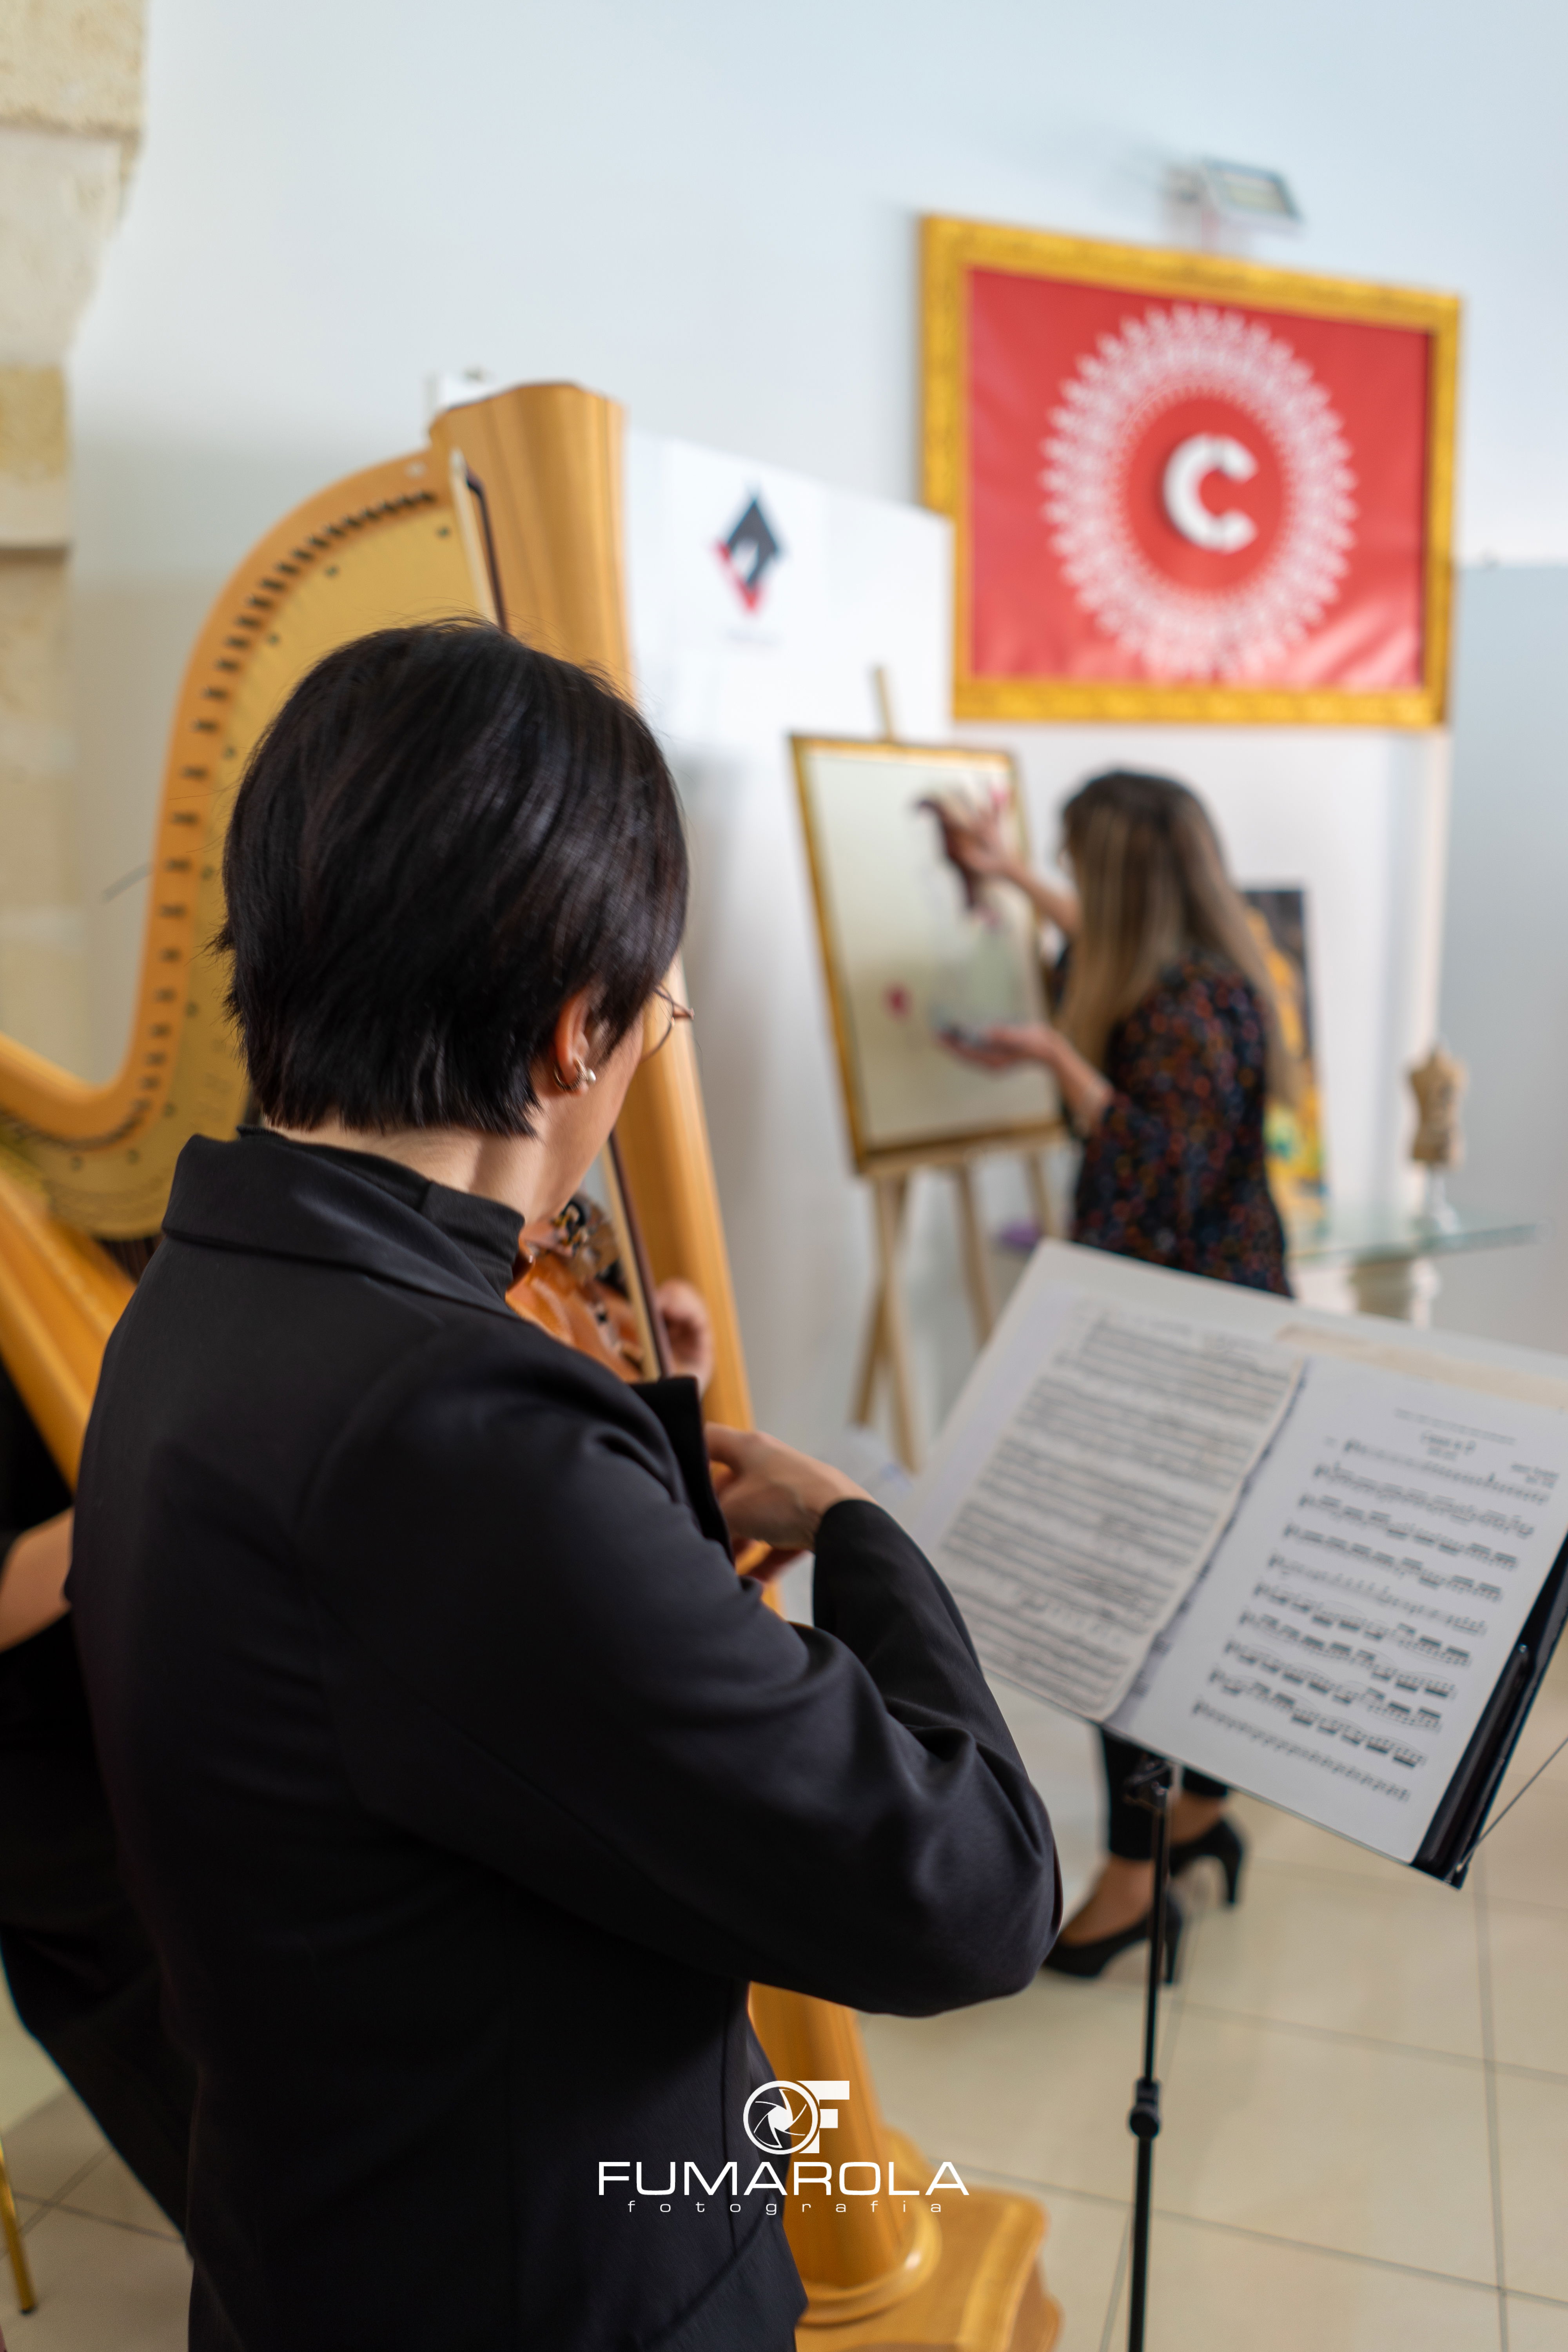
(1131, 1833)
(82, 1971)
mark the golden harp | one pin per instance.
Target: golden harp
(513, 512)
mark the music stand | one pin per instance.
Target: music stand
(1150, 1786)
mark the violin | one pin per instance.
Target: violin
(573, 1284)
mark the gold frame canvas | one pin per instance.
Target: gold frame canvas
(950, 248)
(942, 1146)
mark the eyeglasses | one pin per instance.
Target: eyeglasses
(663, 1012)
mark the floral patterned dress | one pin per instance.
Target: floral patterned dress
(1174, 1172)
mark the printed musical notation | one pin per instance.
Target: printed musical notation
(1356, 1615)
(1080, 1519)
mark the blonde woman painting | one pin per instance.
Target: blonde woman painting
(1166, 1043)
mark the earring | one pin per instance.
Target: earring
(585, 1077)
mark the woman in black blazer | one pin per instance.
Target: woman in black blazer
(461, 1782)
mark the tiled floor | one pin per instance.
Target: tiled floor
(1366, 2142)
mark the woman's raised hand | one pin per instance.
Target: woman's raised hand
(774, 1495)
(972, 838)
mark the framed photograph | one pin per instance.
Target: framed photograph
(1185, 487)
(913, 954)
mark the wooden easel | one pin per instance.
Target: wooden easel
(886, 1343)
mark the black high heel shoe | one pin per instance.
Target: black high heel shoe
(1223, 1843)
(1089, 1959)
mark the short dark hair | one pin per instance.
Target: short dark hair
(442, 837)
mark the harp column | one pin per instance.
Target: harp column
(70, 116)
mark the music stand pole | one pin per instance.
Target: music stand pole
(1150, 1785)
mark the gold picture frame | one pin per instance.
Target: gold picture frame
(951, 249)
(881, 1140)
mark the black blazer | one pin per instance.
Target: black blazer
(463, 1786)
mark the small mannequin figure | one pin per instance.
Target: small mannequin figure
(1438, 1084)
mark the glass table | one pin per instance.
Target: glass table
(1389, 1255)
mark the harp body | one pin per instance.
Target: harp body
(513, 512)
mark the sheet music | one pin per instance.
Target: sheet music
(1359, 1610)
(1086, 1484)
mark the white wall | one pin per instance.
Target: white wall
(708, 209)
(1505, 971)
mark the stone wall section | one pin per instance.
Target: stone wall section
(71, 120)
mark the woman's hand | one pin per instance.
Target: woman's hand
(688, 1328)
(1006, 1044)
(774, 1495)
(971, 840)
(1086, 1091)
(32, 1579)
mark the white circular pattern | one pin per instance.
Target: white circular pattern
(1116, 391)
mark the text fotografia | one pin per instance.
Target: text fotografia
(861, 2179)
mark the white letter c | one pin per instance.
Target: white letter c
(1186, 467)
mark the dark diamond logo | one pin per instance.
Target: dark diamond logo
(750, 554)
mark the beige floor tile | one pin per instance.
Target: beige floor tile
(1037, 2087)
(111, 2192)
(1080, 2263)
(28, 2077)
(1536, 2326)
(1532, 2138)
(1372, 2152)
(1352, 1954)
(1216, 2291)
(1530, 1977)
(53, 2145)
(1525, 1858)
(99, 2289)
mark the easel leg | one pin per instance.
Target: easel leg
(977, 1271)
(1039, 1195)
(888, 1195)
(872, 1349)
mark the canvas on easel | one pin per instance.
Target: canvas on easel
(916, 956)
(1293, 1130)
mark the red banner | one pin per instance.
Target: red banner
(1168, 490)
